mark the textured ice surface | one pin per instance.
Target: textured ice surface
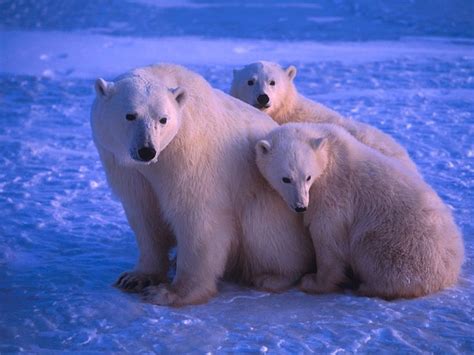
(64, 238)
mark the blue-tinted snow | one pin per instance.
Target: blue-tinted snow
(406, 67)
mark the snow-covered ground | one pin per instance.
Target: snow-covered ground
(405, 67)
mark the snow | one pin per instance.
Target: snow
(53, 53)
(64, 238)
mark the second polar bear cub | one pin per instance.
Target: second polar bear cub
(363, 211)
(271, 89)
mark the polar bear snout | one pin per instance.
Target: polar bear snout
(300, 209)
(263, 100)
(146, 153)
(300, 206)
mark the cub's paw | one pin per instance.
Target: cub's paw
(310, 284)
(135, 281)
(273, 283)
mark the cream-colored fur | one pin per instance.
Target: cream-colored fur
(287, 105)
(203, 182)
(364, 211)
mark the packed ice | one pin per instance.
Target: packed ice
(404, 67)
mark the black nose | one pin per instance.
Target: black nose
(300, 209)
(146, 153)
(263, 99)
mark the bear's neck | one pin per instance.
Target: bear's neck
(338, 168)
(203, 139)
(288, 105)
(190, 144)
(297, 108)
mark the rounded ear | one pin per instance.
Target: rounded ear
(263, 146)
(317, 143)
(236, 71)
(179, 95)
(291, 72)
(103, 88)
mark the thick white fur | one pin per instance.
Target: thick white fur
(287, 105)
(365, 211)
(204, 184)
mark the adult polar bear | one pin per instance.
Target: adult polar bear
(181, 154)
(270, 88)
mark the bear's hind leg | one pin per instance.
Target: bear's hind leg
(330, 275)
(330, 250)
(275, 283)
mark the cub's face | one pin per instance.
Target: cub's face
(263, 85)
(291, 168)
(134, 119)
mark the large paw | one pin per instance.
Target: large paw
(160, 295)
(135, 281)
(273, 283)
(166, 295)
(310, 283)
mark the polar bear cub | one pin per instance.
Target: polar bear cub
(364, 212)
(270, 88)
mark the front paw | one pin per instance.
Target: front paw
(160, 295)
(135, 281)
(310, 284)
(168, 295)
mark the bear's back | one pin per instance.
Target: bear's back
(216, 130)
(206, 103)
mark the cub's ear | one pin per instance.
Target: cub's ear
(180, 96)
(317, 143)
(103, 88)
(236, 71)
(263, 146)
(291, 72)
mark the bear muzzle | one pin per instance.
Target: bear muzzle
(262, 101)
(300, 206)
(300, 209)
(146, 153)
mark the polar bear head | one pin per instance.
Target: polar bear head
(291, 160)
(264, 85)
(135, 118)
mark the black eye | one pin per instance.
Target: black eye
(250, 82)
(131, 116)
(308, 178)
(286, 180)
(272, 83)
(163, 120)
